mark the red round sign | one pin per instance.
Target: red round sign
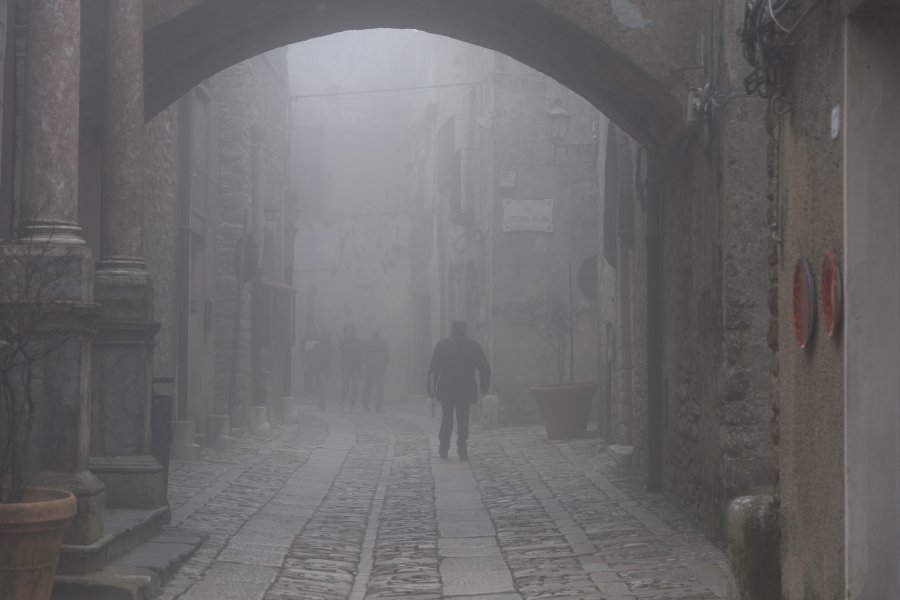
(804, 303)
(832, 293)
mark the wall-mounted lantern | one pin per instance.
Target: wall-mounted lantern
(557, 122)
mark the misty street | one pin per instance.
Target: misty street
(463, 299)
(360, 506)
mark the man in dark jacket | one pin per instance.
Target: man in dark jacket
(351, 349)
(324, 359)
(452, 378)
(375, 363)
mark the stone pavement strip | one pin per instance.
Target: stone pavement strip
(354, 506)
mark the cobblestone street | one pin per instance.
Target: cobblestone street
(352, 505)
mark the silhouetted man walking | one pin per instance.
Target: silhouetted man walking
(324, 360)
(375, 363)
(452, 377)
(351, 349)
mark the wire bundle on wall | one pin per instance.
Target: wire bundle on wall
(768, 27)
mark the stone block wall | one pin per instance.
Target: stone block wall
(250, 104)
(231, 100)
(160, 206)
(716, 391)
(807, 217)
(530, 265)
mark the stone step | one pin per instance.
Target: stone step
(123, 531)
(138, 575)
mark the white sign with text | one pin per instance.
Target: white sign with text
(528, 215)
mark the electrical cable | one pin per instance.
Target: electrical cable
(774, 18)
(379, 91)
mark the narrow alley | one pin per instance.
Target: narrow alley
(352, 505)
(650, 245)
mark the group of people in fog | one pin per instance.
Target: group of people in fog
(451, 375)
(363, 365)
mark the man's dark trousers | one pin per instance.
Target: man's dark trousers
(459, 406)
(349, 386)
(374, 382)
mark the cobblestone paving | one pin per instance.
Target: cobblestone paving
(322, 562)
(568, 518)
(353, 506)
(406, 561)
(219, 493)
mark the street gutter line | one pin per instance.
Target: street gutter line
(367, 555)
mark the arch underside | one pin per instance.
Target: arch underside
(212, 35)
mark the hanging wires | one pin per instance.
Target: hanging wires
(766, 42)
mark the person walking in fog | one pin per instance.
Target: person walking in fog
(375, 362)
(451, 377)
(324, 360)
(351, 350)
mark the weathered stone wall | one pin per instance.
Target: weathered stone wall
(638, 158)
(250, 104)
(716, 391)
(232, 99)
(658, 38)
(530, 265)
(746, 412)
(807, 217)
(606, 322)
(160, 205)
(622, 327)
(692, 335)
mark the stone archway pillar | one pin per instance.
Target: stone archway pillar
(59, 263)
(123, 348)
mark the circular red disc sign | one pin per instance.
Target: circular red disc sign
(804, 303)
(832, 293)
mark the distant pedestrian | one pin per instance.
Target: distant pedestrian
(451, 377)
(375, 362)
(308, 344)
(324, 360)
(351, 350)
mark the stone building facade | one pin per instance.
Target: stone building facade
(410, 188)
(216, 160)
(737, 192)
(685, 294)
(480, 155)
(353, 254)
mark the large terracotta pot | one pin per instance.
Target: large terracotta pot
(565, 408)
(31, 534)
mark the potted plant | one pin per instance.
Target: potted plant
(32, 520)
(566, 405)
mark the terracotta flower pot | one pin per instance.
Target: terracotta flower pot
(565, 408)
(31, 534)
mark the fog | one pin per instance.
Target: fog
(430, 192)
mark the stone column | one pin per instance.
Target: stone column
(123, 349)
(49, 240)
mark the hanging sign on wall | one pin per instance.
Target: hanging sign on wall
(528, 215)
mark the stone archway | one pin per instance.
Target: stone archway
(620, 55)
